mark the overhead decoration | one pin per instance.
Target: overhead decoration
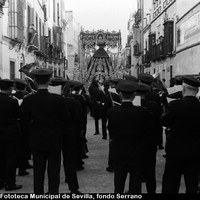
(100, 38)
(100, 65)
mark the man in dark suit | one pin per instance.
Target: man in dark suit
(183, 143)
(10, 136)
(128, 126)
(152, 95)
(46, 120)
(97, 97)
(112, 99)
(71, 142)
(154, 137)
(25, 154)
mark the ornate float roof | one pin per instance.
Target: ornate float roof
(101, 53)
(100, 38)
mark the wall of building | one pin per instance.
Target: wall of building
(188, 61)
(74, 29)
(166, 11)
(12, 51)
(183, 6)
(188, 42)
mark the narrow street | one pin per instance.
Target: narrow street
(94, 178)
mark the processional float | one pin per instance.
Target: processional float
(101, 64)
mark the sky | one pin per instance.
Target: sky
(111, 15)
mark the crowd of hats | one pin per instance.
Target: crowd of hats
(128, 84)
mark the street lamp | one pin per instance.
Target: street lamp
(2, 3)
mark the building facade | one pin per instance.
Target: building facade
(168, 43)
(33, 32)
(187, 59)
(73, 44)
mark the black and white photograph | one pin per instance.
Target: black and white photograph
(99, 98)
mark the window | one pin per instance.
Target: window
(40, 27)
(58, 14)
(36, 21)
(54, 11)
(171, 71)
(55, 72)
(49, 8)
(28, 16)
(12, 70)
(50, 36)
(178, 36)
(16, 19)
(22, 75)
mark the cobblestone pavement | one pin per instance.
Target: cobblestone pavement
(94, 178)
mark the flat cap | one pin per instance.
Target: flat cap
(106, 83)
(73, 83)
(6, 83)
(191, 80)
(42, 72)
(115, 80)
(127, 86)
(131, 78)
(142, 87)
(146, 78)
(58, 81)
(20, 81)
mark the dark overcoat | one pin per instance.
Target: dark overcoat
(129, 126)
(46, 118)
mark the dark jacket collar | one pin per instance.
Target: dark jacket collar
(42, 91)
(127, 103)
(190, 97)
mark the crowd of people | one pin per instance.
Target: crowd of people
(49, 128)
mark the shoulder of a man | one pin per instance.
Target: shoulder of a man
(175, 103)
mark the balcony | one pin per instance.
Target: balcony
(42, 52)
(168, 38)
(33, 43)
(152, 40)
(43, 45)
(157, 51)
(145, 58)
(136, 48)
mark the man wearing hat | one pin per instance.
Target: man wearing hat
(151, 95)
(149, 79)
(46, 121)
(129, 138)
(183, 144)
(112, 99)
(20, 88)
(154, 137)
(10, 136)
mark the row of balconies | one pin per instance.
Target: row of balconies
(145, 58)
(156, 51)
(137, 51)
(43, 48)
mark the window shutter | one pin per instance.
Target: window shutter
(168, 37)
(32, 17)
(152, 40)
(20, 20)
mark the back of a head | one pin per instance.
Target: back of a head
(127, 88)
(190, 85)
(42, 76)
(20, 84)
(6, 84)
(146, 78)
